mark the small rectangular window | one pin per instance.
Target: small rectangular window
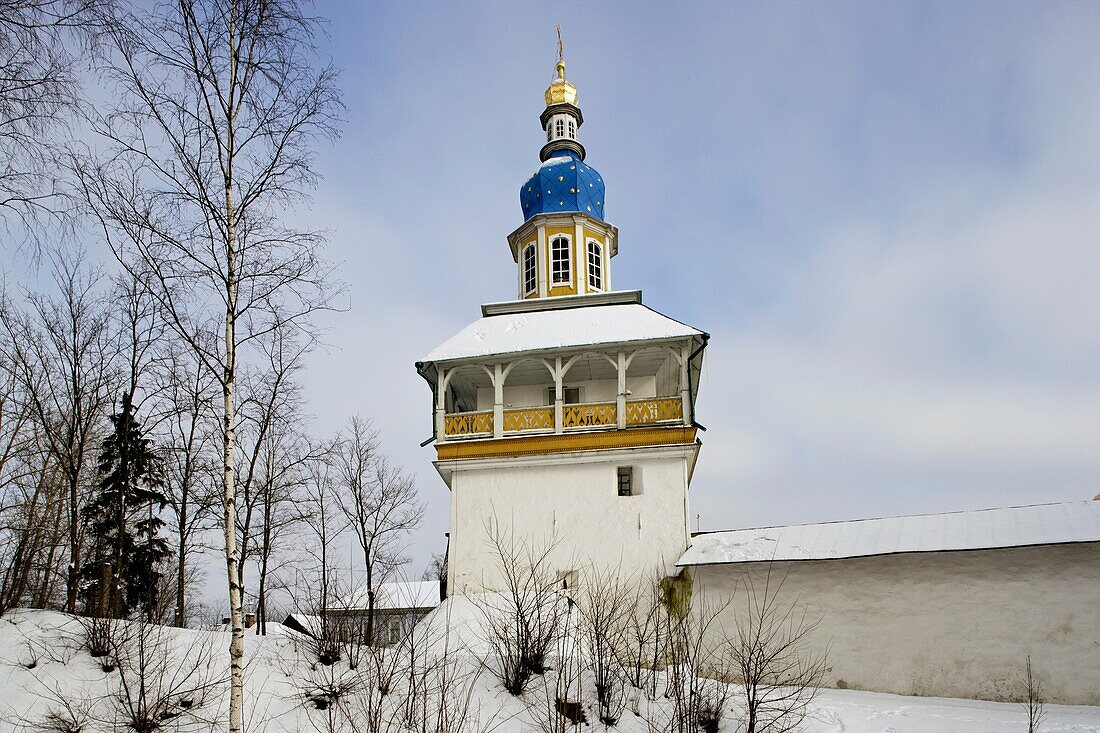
(567, 579)
(626, 480)
(569, 395)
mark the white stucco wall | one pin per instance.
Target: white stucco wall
(594, 390)
(573, 499)
(951, 624)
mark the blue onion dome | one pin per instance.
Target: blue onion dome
(563, 182)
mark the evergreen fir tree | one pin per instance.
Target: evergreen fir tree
(121, 573)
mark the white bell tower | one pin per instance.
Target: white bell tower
(566, 418)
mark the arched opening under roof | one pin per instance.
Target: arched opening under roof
(525, 385)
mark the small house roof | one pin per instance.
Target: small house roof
(1021, 526)
(573, 325)
(419, 594)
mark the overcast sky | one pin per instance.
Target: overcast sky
(887, 215)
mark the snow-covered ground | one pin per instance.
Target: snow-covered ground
(45, 671)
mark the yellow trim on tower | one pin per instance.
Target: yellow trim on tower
(564, 443)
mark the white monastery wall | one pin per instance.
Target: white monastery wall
(574, 499)
(946, 624)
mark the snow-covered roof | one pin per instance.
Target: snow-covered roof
(1040, 524)
(510, 333)
(403, 594)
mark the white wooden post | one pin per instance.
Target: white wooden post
(558, 396)
(580, 261)
(440, 404)
(685, 384)
(542, 261)
(498, 401)
(620, 402)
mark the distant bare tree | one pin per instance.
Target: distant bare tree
(321, 517)
(274, 456)
(379, 502)
(218, 104)
(189, 426)
(27, 489)
(38, 92)
(1034, 703)
(774, 657)
(63, 352)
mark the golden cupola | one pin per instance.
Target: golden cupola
(560, 90)
(564, 246)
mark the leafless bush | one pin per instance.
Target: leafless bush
(68, 717)
(437, 683)
(523, 621)
(59, 647)
(774, 658)
(161, 683)
(100, 638)
(1033, 699)
(698, 668)
(326, 691)
(64, 714)
(604, 605)
(163, 680)
(559, 702)
(374, 707)
(645, 647)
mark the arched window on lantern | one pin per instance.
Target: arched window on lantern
(595, 265)
(530, 270)
(560, 270)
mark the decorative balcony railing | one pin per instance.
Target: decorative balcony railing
(468, 423)
(584, 416)
(590, 415)
(528, 418)
(654, 411)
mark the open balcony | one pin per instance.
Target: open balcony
(589, 391)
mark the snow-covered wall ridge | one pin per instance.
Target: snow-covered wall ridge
(1040, 524)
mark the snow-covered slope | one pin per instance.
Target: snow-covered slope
(45, 670)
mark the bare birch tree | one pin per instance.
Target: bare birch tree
(380, 503)
(218, 105)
